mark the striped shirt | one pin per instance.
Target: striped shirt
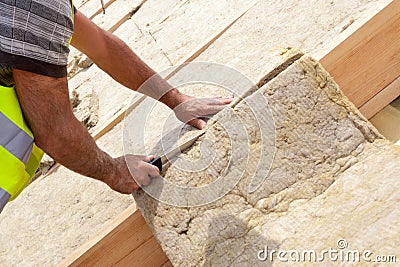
(34, 36)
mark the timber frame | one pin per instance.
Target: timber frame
(364, 60)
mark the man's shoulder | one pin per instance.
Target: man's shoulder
(37, 29)
(50, 10)
(34, 35)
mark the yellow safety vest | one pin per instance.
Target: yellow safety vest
(19, 156)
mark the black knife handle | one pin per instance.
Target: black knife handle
(157, 162)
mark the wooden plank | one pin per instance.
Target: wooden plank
(128, 240)
(381, 99)
(148, 254)
(120, 11)
(102, 9)
(92, 8)
(369, 59)
(167, 264)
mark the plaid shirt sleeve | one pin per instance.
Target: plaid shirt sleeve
(34, 35)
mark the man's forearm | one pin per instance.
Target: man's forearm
(45, 102)
(123, 65)
(72, 146)
(113, 56)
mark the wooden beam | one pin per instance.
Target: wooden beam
(127, 241)
(368, 60)
(92, 8)
(381, 99)
(100, 10)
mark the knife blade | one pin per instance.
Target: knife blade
(159, 161)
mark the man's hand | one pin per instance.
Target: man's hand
(45, 103)
(139, 168)
(191, 110)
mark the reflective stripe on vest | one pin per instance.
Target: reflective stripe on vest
(19, 156)
(15, 140)
(4, 197)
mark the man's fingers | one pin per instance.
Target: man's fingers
(212, 109)
(149, 171)
(227, 100)
(198, 123)
(223, 100)
(154, 171)
(146, 158)
(139, 157)
(144, 178)
(140, 168)
(192, 110)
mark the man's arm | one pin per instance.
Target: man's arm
(114, 57)
(45, 103)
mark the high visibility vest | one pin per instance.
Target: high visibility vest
(19, 156)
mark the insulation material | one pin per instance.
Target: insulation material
(330, 172)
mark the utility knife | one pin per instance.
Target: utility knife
(159, 161)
